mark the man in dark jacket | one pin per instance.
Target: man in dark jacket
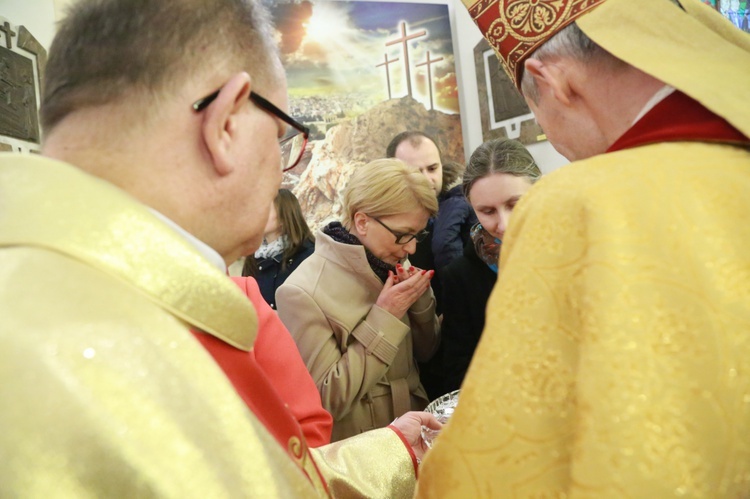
(448, 232)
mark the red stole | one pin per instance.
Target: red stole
(255, 389)
(679, 118)
(253, 386)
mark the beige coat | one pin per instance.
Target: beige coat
(360, 356)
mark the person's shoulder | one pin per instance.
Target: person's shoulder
(582, 179)
(312, 269)
(454, 206)
(452, 195)
(595, 184)
(306, 249)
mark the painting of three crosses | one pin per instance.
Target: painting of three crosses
(358, 74)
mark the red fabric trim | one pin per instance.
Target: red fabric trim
(408, 448)
(254, 387)
(260, 396)
(279, 359)
(515, 38)
(679, 118)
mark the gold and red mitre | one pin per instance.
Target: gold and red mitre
(516, 28)
(687, 44)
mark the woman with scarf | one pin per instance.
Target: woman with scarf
(499, 172)
(287, 241)
(359, 313)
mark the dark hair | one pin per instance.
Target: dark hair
(107, 50)
(414, 137)
(293, 226)
(500, 156)
(452, 174)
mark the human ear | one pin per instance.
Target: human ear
(550, 77)
(360, 223)
(221, 122)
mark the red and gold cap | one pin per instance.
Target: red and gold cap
(516, 28)
(687, 44)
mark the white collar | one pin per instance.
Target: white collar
(204, 249)
(659, 96)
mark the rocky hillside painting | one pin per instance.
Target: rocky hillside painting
(329, 163)
(359, 73)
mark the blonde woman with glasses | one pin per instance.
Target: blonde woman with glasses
(359, 313)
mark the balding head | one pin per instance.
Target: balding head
(107, 51)
(121, 83)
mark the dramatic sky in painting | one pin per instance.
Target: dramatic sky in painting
(334, 47)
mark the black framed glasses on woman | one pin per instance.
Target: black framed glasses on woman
(294, 141)
(404, 237)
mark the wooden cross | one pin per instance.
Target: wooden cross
(387, 72)
(8, 34)
(403, 40)
(428, 62)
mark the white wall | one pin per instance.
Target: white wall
(39, 16)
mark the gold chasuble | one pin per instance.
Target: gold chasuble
(106, 393)
(615, 360)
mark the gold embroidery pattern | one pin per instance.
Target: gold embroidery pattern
(515, 28)
(296, 449)
(300, 454)
(615, 357)
(530, 19)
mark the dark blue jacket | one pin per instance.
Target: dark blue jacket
(467, 284)
(270, 276)
(450, 232)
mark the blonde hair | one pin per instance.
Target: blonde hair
(387, 187)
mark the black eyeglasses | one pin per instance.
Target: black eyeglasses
(294, 141)
(404, 237)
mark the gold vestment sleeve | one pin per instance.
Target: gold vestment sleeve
(373, 464)
(105, 392)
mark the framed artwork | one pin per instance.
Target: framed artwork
(503, 111)
(358, 74)
(22, 62)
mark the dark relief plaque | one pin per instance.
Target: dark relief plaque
(500, 103)
(20, 55)
(18, 107)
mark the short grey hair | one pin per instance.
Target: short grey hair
(569, 42)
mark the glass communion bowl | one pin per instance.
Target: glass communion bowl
(442, 408)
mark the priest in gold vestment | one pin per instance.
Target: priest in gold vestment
(113, 251)
(615, 361)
